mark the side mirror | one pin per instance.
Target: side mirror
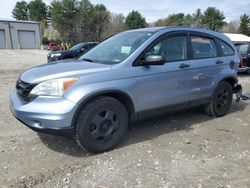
(82, 50)
(154, 60)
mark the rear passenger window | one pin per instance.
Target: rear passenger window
(226, 49)
(203, 47)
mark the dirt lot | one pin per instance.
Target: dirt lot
(187, 149)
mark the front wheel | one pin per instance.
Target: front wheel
(101, 124)
(221, 100)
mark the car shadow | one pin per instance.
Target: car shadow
(64, 145)
(141, 131)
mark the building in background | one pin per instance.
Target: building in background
(20, 34)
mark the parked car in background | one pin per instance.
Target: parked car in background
(54, 47)
(131, 75)
(242, 44)
(244, 51)
(74, 52)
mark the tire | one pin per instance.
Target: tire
(221, 100)
(101, 124)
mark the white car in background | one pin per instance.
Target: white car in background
(242, 44)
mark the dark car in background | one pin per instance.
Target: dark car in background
(242, 44)
(74, 52)
(244, 51)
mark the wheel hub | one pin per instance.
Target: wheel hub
(222, 99)
(104, 125)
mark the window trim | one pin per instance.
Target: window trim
(159, 39)
(222, 53)
(188, 35)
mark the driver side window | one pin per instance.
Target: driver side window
(172, 49)
(84, 48)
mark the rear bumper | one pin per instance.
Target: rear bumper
(50, 116)
(237, 90)
(243, 69)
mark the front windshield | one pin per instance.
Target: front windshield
(77, 46)
(117, 48)
(242, 48)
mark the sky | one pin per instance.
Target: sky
(153, 10)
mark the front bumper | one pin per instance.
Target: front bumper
(46, 115)
(49, 60)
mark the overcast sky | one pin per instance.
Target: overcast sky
(155, 9)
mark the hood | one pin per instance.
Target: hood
(62, 69)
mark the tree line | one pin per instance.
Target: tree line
(77, 20)
(211, 18)
(80, 20)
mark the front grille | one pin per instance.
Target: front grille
(24, 89)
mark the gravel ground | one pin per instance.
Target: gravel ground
(187, 149)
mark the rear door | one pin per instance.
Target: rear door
(229, 59)
(206, 63)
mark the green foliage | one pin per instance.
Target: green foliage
(115, 25)
(213, 19)
(45, 40)
(101, 18)
(179, 19)
(37, 10)
(245, 24)
(197, 18)
(79, 21)
(51, 34)
(135, 20)
(175, 19)
(84, 19)
(63, 17)
(57, 41)
(44, 25)
(20, 11)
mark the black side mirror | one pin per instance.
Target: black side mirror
(154, 60)
(82, 50)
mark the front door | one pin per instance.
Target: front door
(168, 84)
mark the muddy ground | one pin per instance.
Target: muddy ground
(187, 149)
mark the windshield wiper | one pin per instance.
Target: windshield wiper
(89, 60)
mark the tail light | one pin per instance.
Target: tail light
(241, 63)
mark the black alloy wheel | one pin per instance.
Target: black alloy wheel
(101, 124)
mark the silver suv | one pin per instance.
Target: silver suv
(132, 75)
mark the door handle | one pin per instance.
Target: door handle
(219, 62)
(183, 66)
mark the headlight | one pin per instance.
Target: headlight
(56, 55)
(54, 87)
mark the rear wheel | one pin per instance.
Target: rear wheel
(101, 124)
(221, 100)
